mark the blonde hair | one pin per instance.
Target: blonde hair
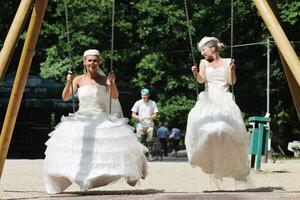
(219, 46)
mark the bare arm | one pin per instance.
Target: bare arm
(201, 77)
(115, 91)
(67, 91)
(153, 116)
(231, 74)
(110, 82)
(134, 116)
(201, 74)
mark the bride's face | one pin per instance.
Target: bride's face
(208, 53)
(91, 64)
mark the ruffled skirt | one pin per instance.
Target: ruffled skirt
(216, 138)
(92, 151)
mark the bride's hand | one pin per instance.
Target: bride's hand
(194, 69)
(232, 65)
(111, 78)
(70, 77)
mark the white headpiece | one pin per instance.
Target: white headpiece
(205, 40)
(91, 52)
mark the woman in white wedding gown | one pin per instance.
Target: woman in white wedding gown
(216, 138)
(91, 147)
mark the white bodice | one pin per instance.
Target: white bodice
(95, 99)
(92, 98)
(217, 78)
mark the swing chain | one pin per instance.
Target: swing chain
(112, 49)
(69, 50)
(231, 45)
(191, 43)
(112, 34)
(68, 32)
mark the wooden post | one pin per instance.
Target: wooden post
(271, 17)
(279, 36)
(13, 35)
(21, 77)
(294, 87)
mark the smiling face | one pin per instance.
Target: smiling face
(91, 64)
(208, 52)
(145, 97)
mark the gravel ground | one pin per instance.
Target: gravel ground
(170, 179)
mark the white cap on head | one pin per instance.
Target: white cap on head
(91, 52)
(205, 40)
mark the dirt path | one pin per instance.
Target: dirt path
(23, 179)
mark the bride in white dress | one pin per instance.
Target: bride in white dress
(216, 138)
(91, 147)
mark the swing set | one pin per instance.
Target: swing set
(289, 58)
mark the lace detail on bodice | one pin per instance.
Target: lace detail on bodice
(92, 98)
(217, 78)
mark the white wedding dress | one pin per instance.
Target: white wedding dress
(216, 138)
(91, 147)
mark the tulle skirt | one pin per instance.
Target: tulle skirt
(216, 138)
(92, 151)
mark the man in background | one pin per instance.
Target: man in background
(145, 111)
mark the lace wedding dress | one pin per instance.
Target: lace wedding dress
(91, 147)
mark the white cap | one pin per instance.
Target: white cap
(205, 40)
(91, 52)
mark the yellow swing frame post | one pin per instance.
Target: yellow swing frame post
(291, 61)
(22, 73)
(13, 34)
(289, 58)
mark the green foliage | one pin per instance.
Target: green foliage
(290, 12)
(150, 71)
(174, 111)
